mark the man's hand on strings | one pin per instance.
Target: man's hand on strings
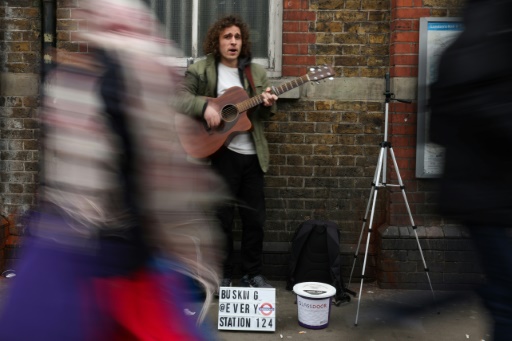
(212, 116)
(268, 97)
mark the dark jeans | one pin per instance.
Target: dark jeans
(245, 180)
(494, 245)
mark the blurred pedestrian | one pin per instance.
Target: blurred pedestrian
(123, 224)
(471, 116)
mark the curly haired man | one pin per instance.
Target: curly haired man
(244, 158)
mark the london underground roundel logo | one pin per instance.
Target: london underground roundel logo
(266, 309)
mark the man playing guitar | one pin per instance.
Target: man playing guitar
(243, 157)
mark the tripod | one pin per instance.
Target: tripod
(380, 182)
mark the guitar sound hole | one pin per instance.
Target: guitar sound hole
(229, 113)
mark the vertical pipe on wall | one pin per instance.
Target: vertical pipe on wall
(49, 32)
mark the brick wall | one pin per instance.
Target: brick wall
(324, 145)
(19, 89)
(448, 258)
(69, 22)
(323, 150)
(351, 35)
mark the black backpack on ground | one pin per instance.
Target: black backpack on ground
(315, 257)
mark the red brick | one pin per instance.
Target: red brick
(299, 60)
(404, 71)
(405, 37)
(404, 152)
(303, 49)
(294, 49)
(404, 48)
(404, 59)
(402, 3)
(407, 173)
(290, 49)
(295, 4)
(416, 25)
(294, 71)
(402, 130)
(406, 155)
(300, 38)
(403, 25)
(399, 112)
(299, 15)
(410, 13)
(295, 26)
(400, 140)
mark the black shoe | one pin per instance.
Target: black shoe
(244, 281)
(226, 282)
(257, 281)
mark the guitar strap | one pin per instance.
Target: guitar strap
(248, 73)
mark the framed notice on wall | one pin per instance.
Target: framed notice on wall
(436, 34)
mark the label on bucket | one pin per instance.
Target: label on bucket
(313, 313)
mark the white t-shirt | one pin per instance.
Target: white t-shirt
(228, 77)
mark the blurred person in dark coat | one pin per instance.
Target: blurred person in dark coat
(471, 116)
(123, 219)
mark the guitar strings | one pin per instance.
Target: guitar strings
(229, 113)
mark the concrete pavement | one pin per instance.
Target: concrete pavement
(384, 315)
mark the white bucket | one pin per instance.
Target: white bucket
(314, 303)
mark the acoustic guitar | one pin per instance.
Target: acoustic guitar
(199, 141)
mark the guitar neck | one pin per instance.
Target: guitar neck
(276, 90)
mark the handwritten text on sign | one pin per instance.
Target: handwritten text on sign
(247, 309)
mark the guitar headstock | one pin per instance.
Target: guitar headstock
(320, 72)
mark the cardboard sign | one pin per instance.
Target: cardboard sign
(247, 309)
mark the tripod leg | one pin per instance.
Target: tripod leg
(372, 192)
(356, 253)
(375, 190)
(402, 187)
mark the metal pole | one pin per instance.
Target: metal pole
(49, 34)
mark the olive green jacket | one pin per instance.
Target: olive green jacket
(201, 82)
